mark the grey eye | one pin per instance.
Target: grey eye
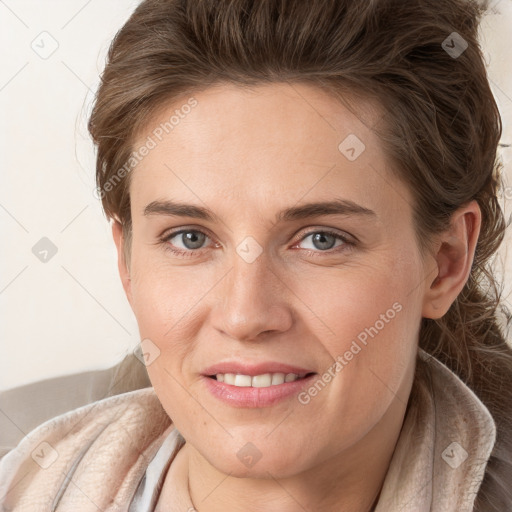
(190, 239)
(322, 241)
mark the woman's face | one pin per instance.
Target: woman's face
(336, 291)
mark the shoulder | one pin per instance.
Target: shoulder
(103, 447)
(27, 406)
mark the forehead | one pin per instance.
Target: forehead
(271, 143)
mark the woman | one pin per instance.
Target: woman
(304, 204)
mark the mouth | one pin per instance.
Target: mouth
(250, 385)
(256, 375)
(257, 391)
(263, 380)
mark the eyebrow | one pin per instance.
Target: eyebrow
(315, 209)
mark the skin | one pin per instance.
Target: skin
(246, 155)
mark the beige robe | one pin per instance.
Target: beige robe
(113, 454)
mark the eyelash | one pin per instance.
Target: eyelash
(347, 244)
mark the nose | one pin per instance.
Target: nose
(253, 301)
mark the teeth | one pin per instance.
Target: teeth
(242, 380)
(258, 381)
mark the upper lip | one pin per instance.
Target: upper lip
(252, 369)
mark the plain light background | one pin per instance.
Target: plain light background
(69, 314)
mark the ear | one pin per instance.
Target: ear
(124, 271)
(455, 250)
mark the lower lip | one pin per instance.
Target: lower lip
(247, 396)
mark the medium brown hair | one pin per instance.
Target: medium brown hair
(442, 130)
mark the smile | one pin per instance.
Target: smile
(256, 391)
(264, 380)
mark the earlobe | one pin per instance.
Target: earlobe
(124, 271)
(454, 259)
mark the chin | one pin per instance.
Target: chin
(257, 460)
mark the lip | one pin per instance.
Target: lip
(249, 397)
(253, 369)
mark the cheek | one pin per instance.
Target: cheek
(163, 303)
(162, 296)
(367, 321)
(166, 309)
(354, 302)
